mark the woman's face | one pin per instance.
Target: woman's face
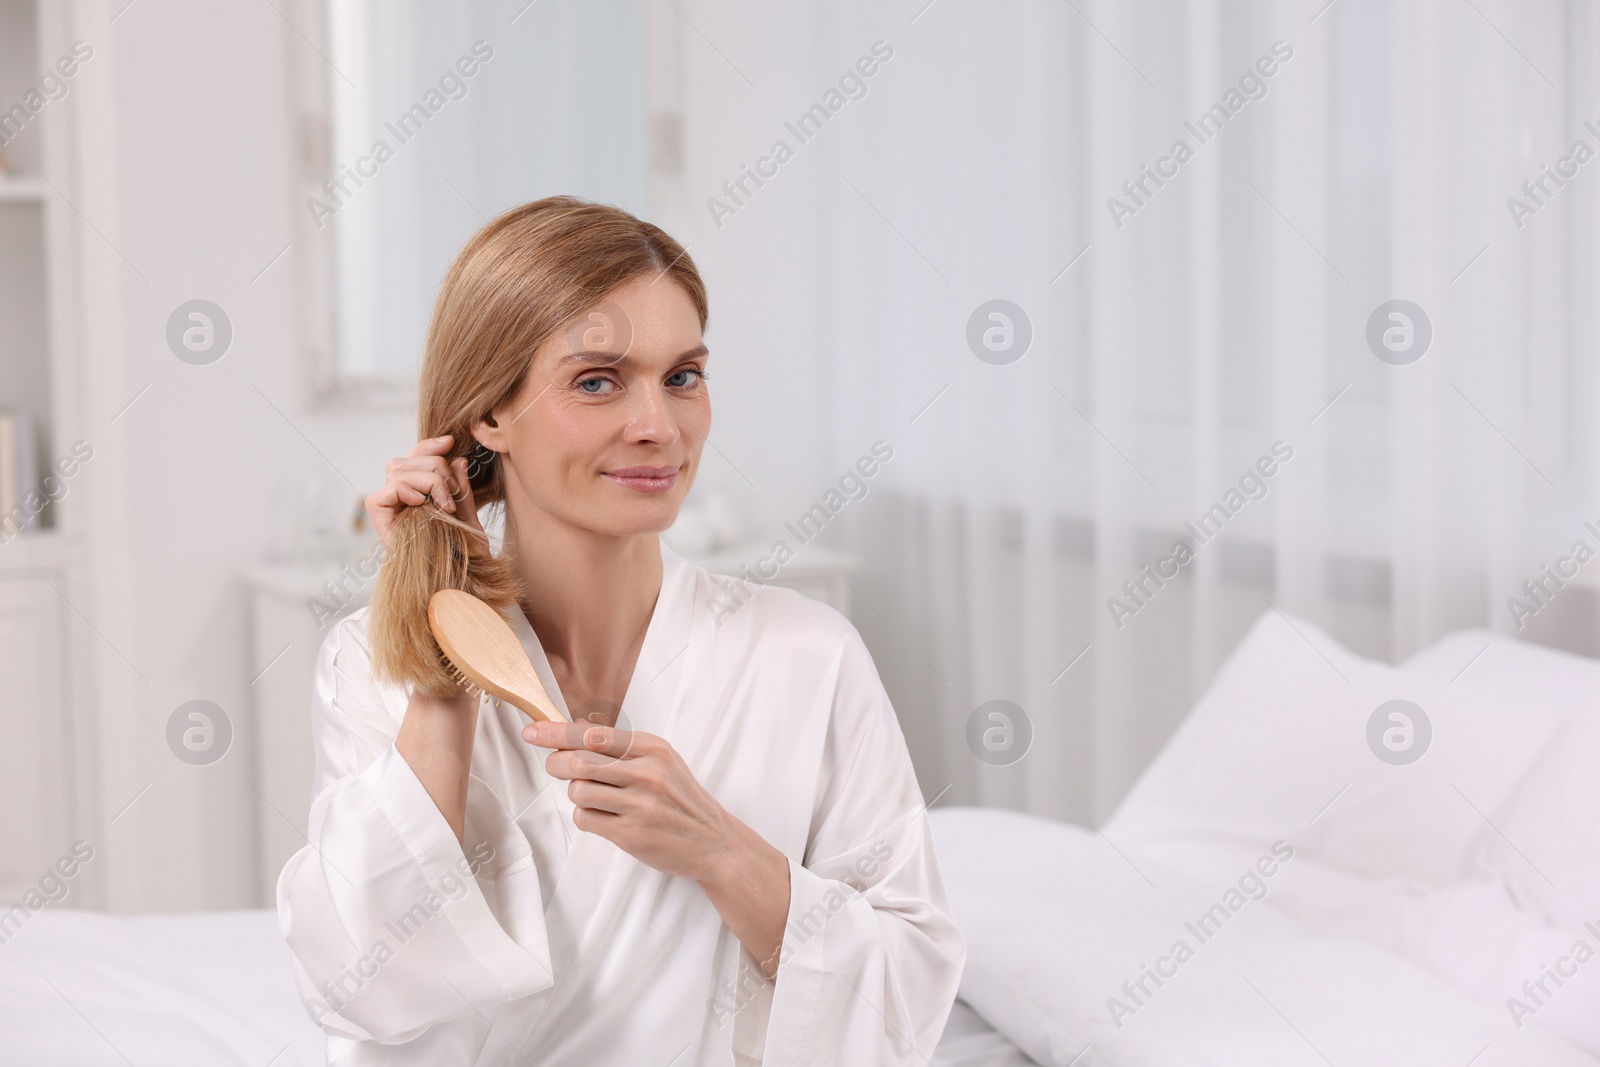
(606, 431)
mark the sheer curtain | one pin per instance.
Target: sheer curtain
(1185, 337)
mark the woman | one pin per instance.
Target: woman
(725, 858)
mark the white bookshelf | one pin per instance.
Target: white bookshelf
(45, 804)
(26, 364)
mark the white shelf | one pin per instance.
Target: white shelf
(49, 771)
(22, 190)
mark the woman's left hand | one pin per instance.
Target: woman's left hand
(634, 790)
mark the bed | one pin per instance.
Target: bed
(1341, 902)
(1338, 907)
(85, 988)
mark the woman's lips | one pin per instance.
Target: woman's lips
(645, 479)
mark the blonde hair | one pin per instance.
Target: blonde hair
(517, 282)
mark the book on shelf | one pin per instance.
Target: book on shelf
(19, 472)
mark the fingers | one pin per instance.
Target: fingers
(596, 796)
(602, 823)
(397, 494)
(604, 740)
(429, 476)
(575, 766)
(382, 505)
(432, 446)
(560, 735)
(421, 475)
(381, 517)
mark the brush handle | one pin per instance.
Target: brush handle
(480, 646)
(546, 712)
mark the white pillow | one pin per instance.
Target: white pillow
(1515, 670)
(1546, 845)
(1056, 921)
(1471, 934)
(1278, 748)
(1545, 839)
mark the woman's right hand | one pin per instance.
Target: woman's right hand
(423, 474)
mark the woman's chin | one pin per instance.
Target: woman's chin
(643, 517)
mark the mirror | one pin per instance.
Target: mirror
(420, 122)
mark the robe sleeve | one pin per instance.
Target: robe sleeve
(388, 929)
(871, 956)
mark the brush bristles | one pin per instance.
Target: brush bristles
(459, 676)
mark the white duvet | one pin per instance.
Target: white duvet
(86, 989)
(1271, 892)
(1060, 924)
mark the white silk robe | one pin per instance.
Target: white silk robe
(534, 942)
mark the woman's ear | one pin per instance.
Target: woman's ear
(493, 431)
(491, 435)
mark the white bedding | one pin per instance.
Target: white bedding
(1277, 747)
(1364, 911)
(84, 988)
(969, 1041)
(1475, 863)
(1058, 919)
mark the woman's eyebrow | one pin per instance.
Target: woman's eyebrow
(612, 359)
(597, 359)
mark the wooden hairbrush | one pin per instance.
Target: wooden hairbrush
(484, 654)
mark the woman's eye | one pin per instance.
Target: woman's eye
(597, 385)
(687, 378)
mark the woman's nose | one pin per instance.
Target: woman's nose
(651, 418)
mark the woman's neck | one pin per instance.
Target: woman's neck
(589, 598)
